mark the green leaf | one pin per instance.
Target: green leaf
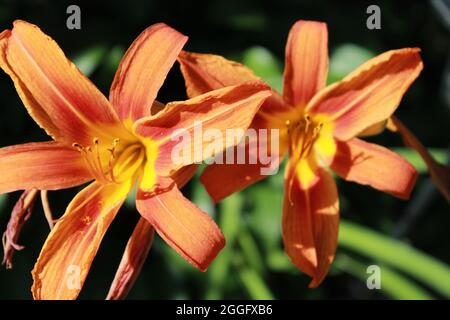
(88, 60)
(264, 219)
(229, 224)
(278, 261)
(345, 59)
(394, 253)
(3, 199)
(393, 284)
(416, 160)
(255, 285)
(265, 65)
(250, 250)
(248, 21)
(113, 58)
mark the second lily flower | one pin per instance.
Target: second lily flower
(319, 128)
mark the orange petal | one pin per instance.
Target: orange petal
(190, 231)
(182, 176)
(71, 246)
(41, 165)
(374, 165)
(224, 179)
(306, 62)
(370, 94)
(20, 214)
(230, 108)
(143, 70)
(439, 173)
(206, 72)
(374, 129)
(66, 98)
(310, 224)
(34, 109)
(133, 259)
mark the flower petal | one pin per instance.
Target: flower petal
(184, 175)
(207, 72)
(310, 223)
(306, 62)
(71, 246)
(143, 70)
(21, 213)
(46, 78)
(133, 259)
(230, 108)
(439, 173)
(34, 109)
(190, 231)
(370, 94)
(374, 165)
(41, 165)
(222, 180)
(251, 162)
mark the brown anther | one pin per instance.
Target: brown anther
(77, 146)
(96, 141)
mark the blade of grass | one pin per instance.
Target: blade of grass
(229, 223)
(393, 284)
(422, 267)
(255, 285)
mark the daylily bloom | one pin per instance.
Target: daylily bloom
(319, 128)
(117, 143)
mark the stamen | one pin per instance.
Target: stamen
(77, 146)
(47, 210)
(111, 162)
(97, 158)
(93, 160)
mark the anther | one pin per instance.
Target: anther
(77, 146)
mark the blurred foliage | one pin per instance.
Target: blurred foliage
(253, 264)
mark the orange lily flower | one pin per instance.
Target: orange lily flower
(319, 128)
(117, 143)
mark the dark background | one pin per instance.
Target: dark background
(253, 265)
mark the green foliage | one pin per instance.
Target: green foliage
(345, 58)
(432, 272)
